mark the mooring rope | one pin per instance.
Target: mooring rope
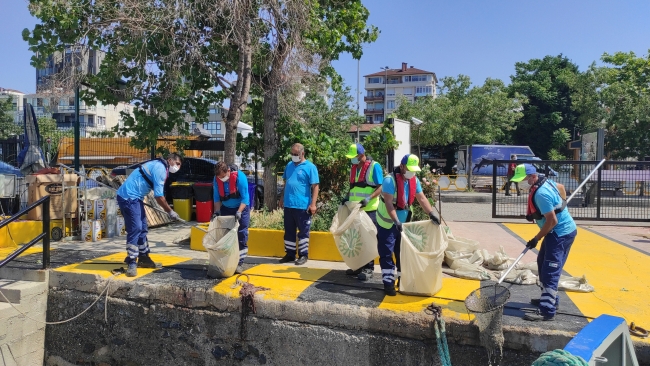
(441, 334)
(104, 291)
(559, 357)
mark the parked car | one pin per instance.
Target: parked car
(195, 170)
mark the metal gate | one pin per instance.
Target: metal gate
(619, 191)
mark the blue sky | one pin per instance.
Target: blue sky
(476, 38)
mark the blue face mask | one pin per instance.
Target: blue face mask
(355, 160)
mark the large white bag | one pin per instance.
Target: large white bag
(355, 235)
(223, 247)
(422, 251)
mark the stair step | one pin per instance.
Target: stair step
(19, 274)
(14, 290)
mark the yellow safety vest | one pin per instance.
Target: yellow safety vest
(357, 194)
(383, 218)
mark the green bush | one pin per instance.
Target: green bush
(430, 190)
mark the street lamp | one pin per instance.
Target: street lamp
(385, 68)
(418, 122)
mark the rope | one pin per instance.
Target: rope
(559, 357)
(441, 334)
(105, 290)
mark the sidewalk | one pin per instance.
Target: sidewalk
(616, 261)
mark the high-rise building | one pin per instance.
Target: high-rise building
(61, 66)
(383, 88)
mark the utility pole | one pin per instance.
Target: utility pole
(358, 118)
(385, 68)
(77, 128)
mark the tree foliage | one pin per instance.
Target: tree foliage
(7, 125)
(463, 114)
(548, 85)
(51, 137)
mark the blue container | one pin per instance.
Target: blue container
(251, 194)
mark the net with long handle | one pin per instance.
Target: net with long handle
(486, 303)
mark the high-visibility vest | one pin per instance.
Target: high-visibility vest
(363, 186)
(232, 186)
(383, 218)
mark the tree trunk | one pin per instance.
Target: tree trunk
(270, 112)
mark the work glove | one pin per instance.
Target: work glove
(398, 225)
(173, 215)
(238, 216)
(532, 243)
(215, 215)
(364, 202)
(434, 219)
(344, 201)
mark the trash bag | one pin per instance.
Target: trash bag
(575, 284)
(223, 247)
(422, 251)
(499, 261)
(518, 276)
(355, 235)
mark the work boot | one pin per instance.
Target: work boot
(144, 261)
(287, 258)
(389, 289)
(536, 302)
(351, 272)
(365, 274)
(239, 270)
(132, 270)
(302, 260)
(538, 316)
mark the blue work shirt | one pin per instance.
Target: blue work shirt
(135, 187)
(547, 198)
(388, 186)
(242, 188)
(298, 180)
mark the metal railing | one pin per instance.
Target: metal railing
(618, 191)
(45, 235)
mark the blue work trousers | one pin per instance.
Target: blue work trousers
(551, 259)
(296, 219)
(373, 216)
(135, 222)
(242, 233)
(388, 243)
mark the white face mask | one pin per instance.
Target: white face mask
(409, 175)
(225, 179)
(174, 168)
(295, 159)
(355, 160)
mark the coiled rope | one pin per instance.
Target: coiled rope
(559, 357)
(441, 335)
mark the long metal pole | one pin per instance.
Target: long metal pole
(358, 118)
(385, 90)
(77, 128)
(503, 277)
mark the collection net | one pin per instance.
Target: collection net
(486, 303)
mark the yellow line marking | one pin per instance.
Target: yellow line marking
(116, 260)
(294, 280)
(452, 288)
(619, 275)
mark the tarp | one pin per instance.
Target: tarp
(30, 158)
(8, 169)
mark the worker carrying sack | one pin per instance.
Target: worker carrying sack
(223, 247)
(355, 235)
(422, 251)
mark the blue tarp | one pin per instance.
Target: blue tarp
(8, 169)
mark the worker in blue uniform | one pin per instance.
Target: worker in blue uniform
(231, 198)
(148, 176)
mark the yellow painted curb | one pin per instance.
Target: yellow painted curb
(103, 266)
(19, 232)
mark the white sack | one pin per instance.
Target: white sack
(422, 251)
(575, 284)
(355, 235)
(222, 245)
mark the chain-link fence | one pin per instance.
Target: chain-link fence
(618, 191)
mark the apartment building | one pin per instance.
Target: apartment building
(16, 101)
(383, 88)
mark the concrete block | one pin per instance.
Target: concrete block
(15, 290)
(7, 311)
(32, 359)
(28, 343)
(25, 274)
(6, 357)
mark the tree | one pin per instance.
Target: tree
(51, 136)
(170, 58)
(622, 87)
(549, 85)
(463, 114)
(7, 125)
